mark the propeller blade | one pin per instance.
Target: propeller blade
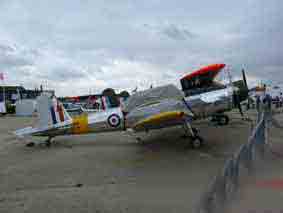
(244, 78)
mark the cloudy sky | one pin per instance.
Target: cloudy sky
(77, 46)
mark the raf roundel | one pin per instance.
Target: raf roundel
(114, 120)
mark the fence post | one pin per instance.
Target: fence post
(242, 156)
(220, 191)
(236, 169)
(207, 202)
(210, 200)
(229, 174)
(267, 123)
(249, 157)
(262, 138)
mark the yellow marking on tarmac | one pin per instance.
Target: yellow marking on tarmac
(80, 124)
(159, 118)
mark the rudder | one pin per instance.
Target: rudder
(51, 111)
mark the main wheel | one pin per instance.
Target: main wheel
(31, 144)
(48, 143)
(196, 142)
(223, 120)
(140, 140)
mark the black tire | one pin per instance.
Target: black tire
(31, 144)
(196, 142)
(213, 119)
(223, 120)
(139, 140)
(48, 142)
(195, 131)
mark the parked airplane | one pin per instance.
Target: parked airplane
(155, 108)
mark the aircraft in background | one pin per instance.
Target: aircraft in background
(154, 108)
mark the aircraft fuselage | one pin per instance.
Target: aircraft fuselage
(201, 106)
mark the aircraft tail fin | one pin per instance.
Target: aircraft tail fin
(51, 111)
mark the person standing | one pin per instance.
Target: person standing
(280, 100)
(258, 103)
(3, 101)
(277, 101)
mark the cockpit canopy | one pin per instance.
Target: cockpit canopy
(151, 96)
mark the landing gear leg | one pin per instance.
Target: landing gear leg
(48, 142)
(195, 140)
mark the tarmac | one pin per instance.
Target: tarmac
(113, 173)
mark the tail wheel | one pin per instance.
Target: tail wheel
(139, 140)
(195, 131)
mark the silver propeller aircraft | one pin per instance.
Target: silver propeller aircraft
(155, 108)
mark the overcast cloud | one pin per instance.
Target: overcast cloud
(75, 46)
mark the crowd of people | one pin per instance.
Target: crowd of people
(278, 100)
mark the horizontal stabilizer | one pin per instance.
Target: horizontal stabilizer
(23, 132)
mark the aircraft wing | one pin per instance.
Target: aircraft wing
(162, 119)
(25, 131)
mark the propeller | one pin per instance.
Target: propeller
(242, 93)
(245, 79)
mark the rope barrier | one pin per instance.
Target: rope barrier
(227, 182)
